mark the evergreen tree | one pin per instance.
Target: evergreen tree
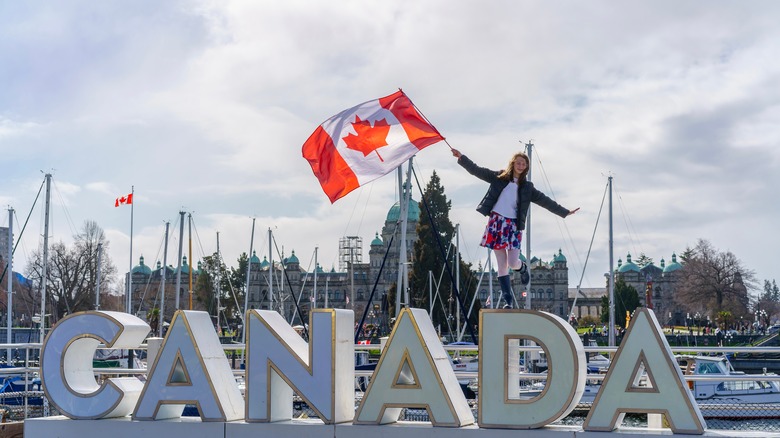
(768, 304)
(231, 280)
(626, 299)
(643, 260)
(428, 258)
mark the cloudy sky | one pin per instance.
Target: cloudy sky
(203, 106)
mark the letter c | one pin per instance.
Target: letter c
(66, 364)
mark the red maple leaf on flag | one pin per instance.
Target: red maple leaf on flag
(369, 138)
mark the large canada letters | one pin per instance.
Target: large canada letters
(413, 371)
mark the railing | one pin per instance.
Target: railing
(768, 414)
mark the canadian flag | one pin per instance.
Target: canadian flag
(365, 142)
(124, 200)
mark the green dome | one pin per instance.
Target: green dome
(559, 257)
(185, 268)
(142, 268)
(200, 268)
(264, 263)
(413, 214)
(292, 258)
(629, 266)
(674, 266)
(377, 241)
(254, 258)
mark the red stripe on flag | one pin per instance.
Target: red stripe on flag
(334, 174)
(420, 132)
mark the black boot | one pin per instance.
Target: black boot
(525, 275)
(506, 291)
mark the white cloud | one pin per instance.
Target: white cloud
(206, 109)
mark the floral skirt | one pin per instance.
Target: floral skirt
(501, 233)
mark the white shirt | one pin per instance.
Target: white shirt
(506, 205)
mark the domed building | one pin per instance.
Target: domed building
(335, 288)
(146, 286)
(549, 280)
(655, 286)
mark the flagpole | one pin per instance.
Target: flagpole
(129, 304)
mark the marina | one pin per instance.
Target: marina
(729, 415)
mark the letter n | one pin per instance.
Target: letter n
(279, 362)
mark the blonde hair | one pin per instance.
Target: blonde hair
(508, 174)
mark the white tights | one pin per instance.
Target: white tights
(506, 259)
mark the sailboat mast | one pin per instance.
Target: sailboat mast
(490, 280)
(270, 271)
(248, 273)
(219, 280)
(97, 286)
(9, 288)
(189, 233)
(430, 294)
(314, 301)
(405, 193)
(45, 258)
(162, 282)
(611, 274)
(178, 270)
(530, 150)
(457, 277)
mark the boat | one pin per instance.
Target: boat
(723, 399)
(21, 390)
(755, 397)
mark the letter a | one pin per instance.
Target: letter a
(644, 347)
(414, 371)
(191, 368)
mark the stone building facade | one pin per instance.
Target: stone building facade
(146, 287)
(293, 288)
(549, 280)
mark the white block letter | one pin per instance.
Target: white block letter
(644, 347)
(279, 360)
(66, 364)
(565, 372)
(414, 371)
(191, 368)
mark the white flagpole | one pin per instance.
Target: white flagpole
(129, 304)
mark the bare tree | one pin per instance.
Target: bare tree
(714, 281)
(71, 277)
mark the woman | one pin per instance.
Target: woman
(506, 203)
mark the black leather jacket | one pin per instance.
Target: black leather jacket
(526, 193)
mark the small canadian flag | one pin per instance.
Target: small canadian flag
(124, 200)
